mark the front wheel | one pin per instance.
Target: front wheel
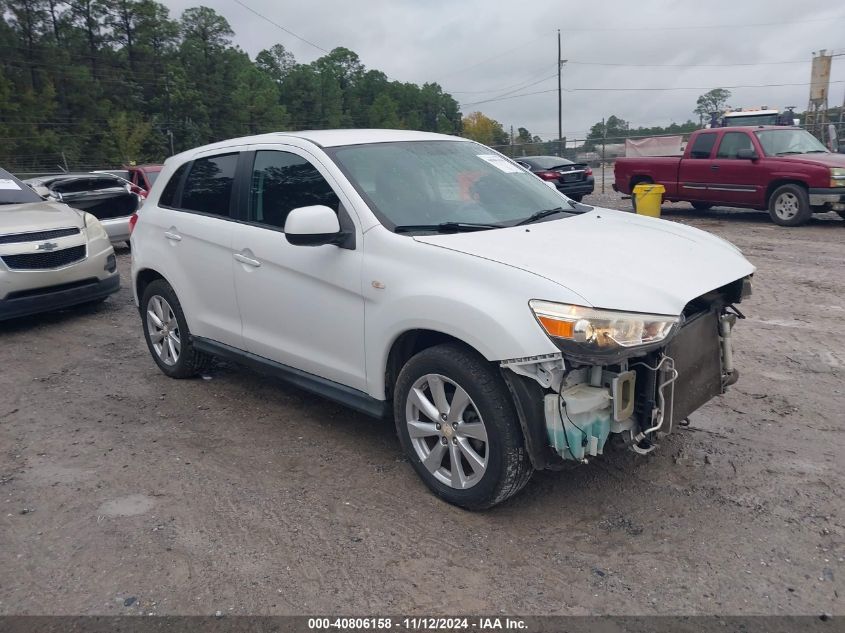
(457, 424)
(790, 206)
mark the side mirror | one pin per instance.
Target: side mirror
(746, 154)
(313, 226)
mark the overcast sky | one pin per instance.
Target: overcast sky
(480, 49)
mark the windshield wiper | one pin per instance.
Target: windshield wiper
(817, 151)
(540, 215)
(446, 227)
(792, 151)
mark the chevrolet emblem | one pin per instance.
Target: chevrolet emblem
(47, 246)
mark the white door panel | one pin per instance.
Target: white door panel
(301, 306)
(197, 253)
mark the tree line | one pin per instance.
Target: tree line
(91, 83)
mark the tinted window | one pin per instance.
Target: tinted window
(168, 196)
(702, 146)
(732, 142)
(282, 182)
(13, 191)
(208, 187)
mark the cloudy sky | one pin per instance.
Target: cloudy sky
(488, 49)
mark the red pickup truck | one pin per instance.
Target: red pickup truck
(782, 169)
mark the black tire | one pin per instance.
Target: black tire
(790, 196)
(841, 214)
(577, 197)
(508, 468)
(189, 361)
(701, 206)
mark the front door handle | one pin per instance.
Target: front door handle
(247, 260)
(173, 237)
(714, 167)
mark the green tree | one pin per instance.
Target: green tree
(483, 129)
(715, 100)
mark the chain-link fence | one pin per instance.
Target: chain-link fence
(602, 153)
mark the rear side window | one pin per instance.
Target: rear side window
(168, 196)
(208, 188)
(702, 146)
(281, 182)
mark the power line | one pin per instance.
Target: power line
(279, 26)
(540, 92)
(701, 26)
(801, 61)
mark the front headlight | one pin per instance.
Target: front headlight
(601, 336)
(837, 176)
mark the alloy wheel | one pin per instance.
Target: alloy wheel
(163, 329)
(447, 431)
(787, 206)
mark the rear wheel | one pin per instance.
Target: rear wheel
(790, 205)
(577, 198)
(701, 206)
(457, 424)
(167, 335)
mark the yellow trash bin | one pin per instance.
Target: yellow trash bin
(647, 199)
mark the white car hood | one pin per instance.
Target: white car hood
(612, 259)
(38, 216)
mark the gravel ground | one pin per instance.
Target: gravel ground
(125, 492)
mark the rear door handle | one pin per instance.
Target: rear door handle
(173, 237)
(247, 260)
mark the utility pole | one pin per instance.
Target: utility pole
(559, 97)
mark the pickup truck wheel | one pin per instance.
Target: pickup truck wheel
(457, 424)
(166, 333)
(701, 206)
(790, 206)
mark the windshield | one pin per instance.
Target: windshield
(13, 191)
(787, 141)
(751, 119)
(433, 182)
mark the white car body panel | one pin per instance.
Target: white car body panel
(612, 259)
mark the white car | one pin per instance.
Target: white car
(51, 256)
(426, 277)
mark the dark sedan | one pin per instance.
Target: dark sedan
(575, 180)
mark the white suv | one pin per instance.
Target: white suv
(426, 277)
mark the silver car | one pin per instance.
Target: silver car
(107, 197)
(51, 255)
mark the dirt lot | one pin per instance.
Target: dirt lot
(238, 494)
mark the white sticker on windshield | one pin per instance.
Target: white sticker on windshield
(6, 183)
(501, 163)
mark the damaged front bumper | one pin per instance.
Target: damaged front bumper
(568, 411)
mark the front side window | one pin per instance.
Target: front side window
(281, 182)
(208, 187)
(430, 182)
(732, 142)
(702, 146)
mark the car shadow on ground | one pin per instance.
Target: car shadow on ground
(58, 317)
(730, 214)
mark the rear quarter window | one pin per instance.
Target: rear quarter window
(702, 146)
(169, 197)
